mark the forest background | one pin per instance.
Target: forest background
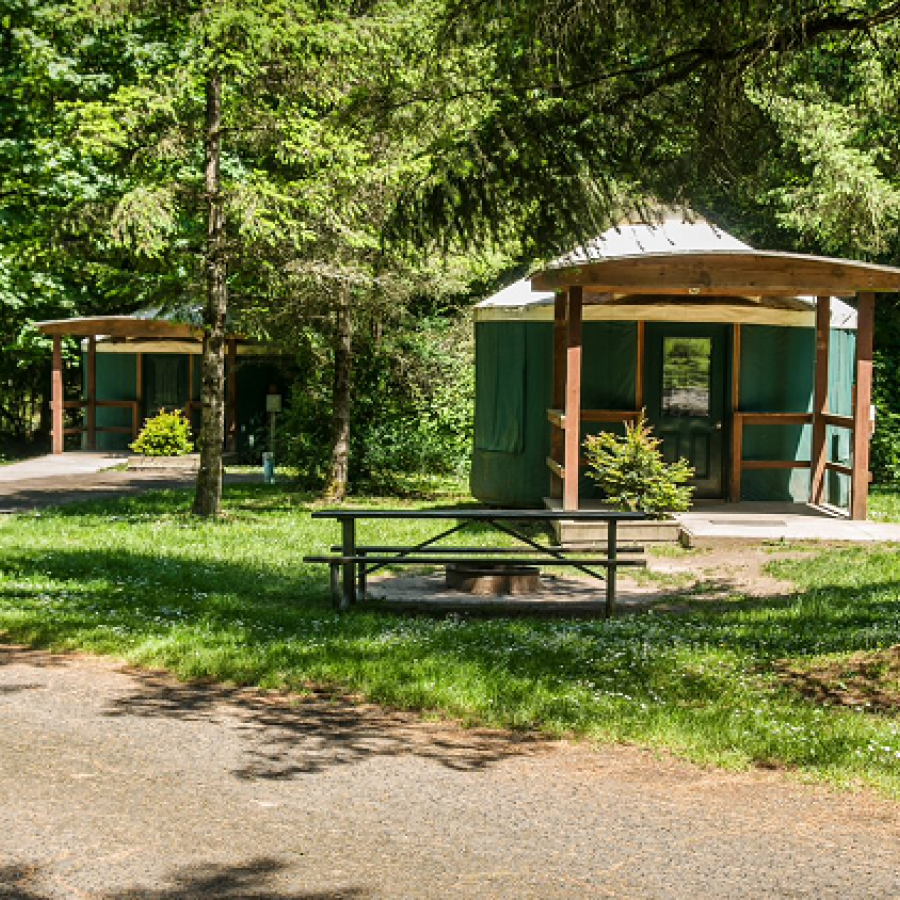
(347, 178)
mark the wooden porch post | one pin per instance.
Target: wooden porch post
(557, 435)
(639, 370)
(862, 395)
(573, 397)
(138, 394)
(92, 393)
(56, 397)
(231, 407)
(737, 423)
(819, 457)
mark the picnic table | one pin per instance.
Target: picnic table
(351, 562)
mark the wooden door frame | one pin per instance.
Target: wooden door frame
(651, 359)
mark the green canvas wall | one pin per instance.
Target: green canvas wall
(513, 391)
(777, 375)
(777, 371)
(117, 380)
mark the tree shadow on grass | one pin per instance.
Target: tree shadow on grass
(250, 881)
(145, 580)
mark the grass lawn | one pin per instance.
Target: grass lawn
(722, 683)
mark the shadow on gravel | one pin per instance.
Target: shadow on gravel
(245, 882)
(32, 495)
(12, 653)
(285, 738)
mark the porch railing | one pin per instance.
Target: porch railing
(89, 424)
(739, 465)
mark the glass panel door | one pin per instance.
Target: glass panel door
(686, 387)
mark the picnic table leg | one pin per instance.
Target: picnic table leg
(348, 548)
(611, 570)
(361, 579)
(335, 583)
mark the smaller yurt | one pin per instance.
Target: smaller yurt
(134, 366)
(747, 363)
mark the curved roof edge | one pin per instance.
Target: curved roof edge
(519, 303)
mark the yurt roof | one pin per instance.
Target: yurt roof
(646, 245)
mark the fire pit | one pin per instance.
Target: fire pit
(493, 579)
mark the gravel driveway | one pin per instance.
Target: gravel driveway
(121, 784)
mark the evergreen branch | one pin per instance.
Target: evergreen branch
(793, 37)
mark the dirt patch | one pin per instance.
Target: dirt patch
(718, 573)
(673, 576)
(865, 680)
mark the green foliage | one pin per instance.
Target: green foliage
(631, 471)
(413, 411)
(166, 434)
(885, 448)
(596, 105)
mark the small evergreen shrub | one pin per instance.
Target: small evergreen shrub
(166, 434)
(632, 473)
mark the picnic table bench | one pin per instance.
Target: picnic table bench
(351, 562)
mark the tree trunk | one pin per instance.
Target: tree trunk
(336, 487)
(212, 428)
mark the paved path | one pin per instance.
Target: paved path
(70, 477)
(120, 785)
(60, 465)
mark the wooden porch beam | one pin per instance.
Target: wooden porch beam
(92, 393)
(231, 405)
(820, 400)
(859, 481)
(639, 381)
(737, 423)
(573, 397)
(753, 273)
(119, 326)
(138, 394)
(557, 440)
(56, 397)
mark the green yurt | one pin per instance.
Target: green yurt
(134, 366)
(744, 362)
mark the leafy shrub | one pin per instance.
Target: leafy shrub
(166, 434)
(631, 472)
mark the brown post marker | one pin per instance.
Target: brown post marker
(231, 442)
(859, 480)
(737, 426)
(820, 401)
(56, 397)
(92, 393)
(557, 435)
(573, 397)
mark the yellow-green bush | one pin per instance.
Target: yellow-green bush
(166, 434)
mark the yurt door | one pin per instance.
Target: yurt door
(685, 382)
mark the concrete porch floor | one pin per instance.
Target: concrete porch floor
(713, 521)
(710, 522)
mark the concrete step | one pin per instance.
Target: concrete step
(586, 534)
